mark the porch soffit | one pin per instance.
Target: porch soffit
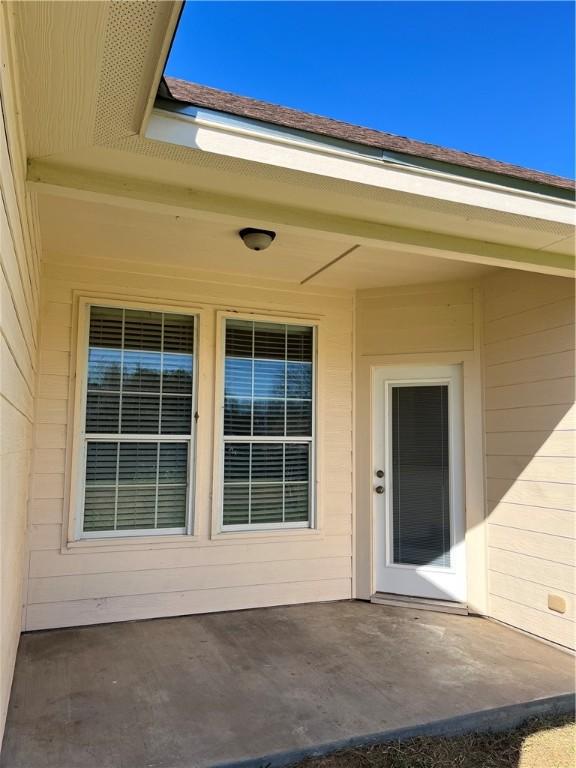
(87, 233)
(87, 69)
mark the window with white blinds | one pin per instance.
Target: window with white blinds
(138, 422)
(268, 425)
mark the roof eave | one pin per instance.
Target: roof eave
(398, 148)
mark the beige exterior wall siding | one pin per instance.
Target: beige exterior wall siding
(110, 580)
(530, 441)
(415, 319)
(18, 355)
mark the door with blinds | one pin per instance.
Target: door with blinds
(418, 487)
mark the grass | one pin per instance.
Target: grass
(548, 742)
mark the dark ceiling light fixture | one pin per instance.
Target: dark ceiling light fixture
(257, 239)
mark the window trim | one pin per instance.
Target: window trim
(77, 459)
(218, 527)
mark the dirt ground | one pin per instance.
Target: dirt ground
(539, 743)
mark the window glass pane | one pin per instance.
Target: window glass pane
(106, 327)
(133, 485)
(177, 373)
(176, 415)
(142, 330)
(299, 380)
(268, 394)
(139, 352)
(179, 334)
(299, 343)
(239, 338)
(267, 504)
(236, 505)
(269, 378)
(238, 377)
(297, 461)
(140, 414)
(104, 367)
(141, 371)
(298, 417)
(171, 506)
(280, 391)
(420, 475)
(138, 462)
(173, 463)
(267, 462)
(102, 412)
(269, 341)
(101, 463)
(266, 483)
(136, 507)
(268, 417)
(140, 381)
(99, 509)
(237, 416)
(237, 462)
(296, 502)
(100, 493)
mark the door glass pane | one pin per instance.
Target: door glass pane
(420, 475)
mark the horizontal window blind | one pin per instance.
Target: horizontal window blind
(139, 396)
(420, 475)
(268, 423)
(135, 485)
(140, 368)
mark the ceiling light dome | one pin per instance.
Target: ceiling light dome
(257, 239)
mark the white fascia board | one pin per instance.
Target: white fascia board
(220, 134)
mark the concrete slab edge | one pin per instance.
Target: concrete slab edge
(497, 719)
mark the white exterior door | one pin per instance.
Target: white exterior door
(418, 486)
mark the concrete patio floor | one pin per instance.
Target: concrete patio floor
(224, 688)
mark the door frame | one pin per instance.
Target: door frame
(474, 473)
(442, 579)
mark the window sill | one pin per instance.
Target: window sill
(221, 538)
(110, 544)
(278, 534)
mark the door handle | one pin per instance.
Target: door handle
(379, 489)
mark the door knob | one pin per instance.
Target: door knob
(379, 489)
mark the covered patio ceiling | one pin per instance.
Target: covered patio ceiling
(75, 231)
(268, 686)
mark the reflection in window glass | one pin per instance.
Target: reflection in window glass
(139, 383)
(268, 397)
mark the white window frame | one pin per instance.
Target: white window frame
(221, 439)
(80, 439)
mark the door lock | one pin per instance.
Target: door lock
(379, 489)
(380, 473)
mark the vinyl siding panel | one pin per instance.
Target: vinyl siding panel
(411, 319)
(231, 598)
(108, 580)
(18, 368)
(542, 623)
(211, 576)
(530, 441)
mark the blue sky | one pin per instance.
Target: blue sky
(493, 78)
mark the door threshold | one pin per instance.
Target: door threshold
(424, 603)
